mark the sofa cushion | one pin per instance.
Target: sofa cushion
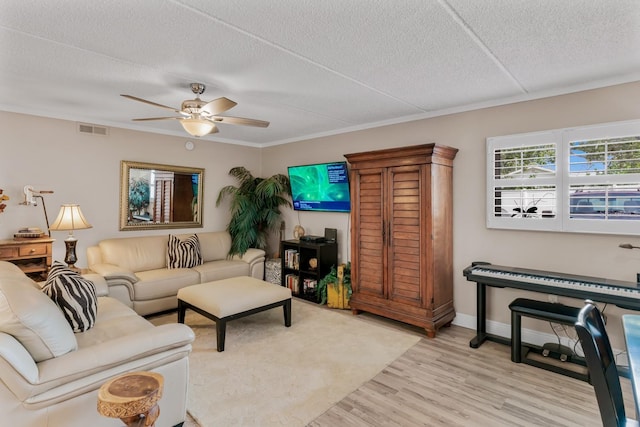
(154, 284)
(214, 245)
(183, 253)
(34, 319)
(135, 253)
(8, 269)
(222, 269)
(114, 320)
(74, 294)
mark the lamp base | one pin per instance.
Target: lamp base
(70, 257)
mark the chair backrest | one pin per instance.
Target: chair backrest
(601, 364)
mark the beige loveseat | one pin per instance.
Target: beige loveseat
(135, 268)
(50, 377)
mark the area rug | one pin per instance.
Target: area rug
(270, 375)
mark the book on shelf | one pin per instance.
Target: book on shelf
(292, 258)
(292, 283)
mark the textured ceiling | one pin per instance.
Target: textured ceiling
(309, 67)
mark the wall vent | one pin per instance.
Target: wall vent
(93, 129)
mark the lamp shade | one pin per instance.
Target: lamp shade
(198, 127)
(70, 218)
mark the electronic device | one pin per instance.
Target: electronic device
(330, 234)
(313, 239)
(623, 294)
(320, 187)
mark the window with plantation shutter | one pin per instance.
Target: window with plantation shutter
(583, 179)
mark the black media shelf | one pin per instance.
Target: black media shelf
(304, 264)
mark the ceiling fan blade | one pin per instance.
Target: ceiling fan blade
(240, 121)
(218, 106)
(135, 98)
(155, 118)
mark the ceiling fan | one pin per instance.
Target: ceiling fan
(199, 117)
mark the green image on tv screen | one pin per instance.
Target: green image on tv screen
(320, 187)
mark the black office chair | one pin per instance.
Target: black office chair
(602, 368)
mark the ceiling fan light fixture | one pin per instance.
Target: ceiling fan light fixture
(198, 127)
(198, 117)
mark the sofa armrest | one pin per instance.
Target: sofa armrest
(114, 272)
(102, 289)
(69, 373)
(251, 256)
(115, 352)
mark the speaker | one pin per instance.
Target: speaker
(330, 234)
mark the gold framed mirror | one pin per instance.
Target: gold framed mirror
(155, 196)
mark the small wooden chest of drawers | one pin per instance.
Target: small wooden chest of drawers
(33, 256)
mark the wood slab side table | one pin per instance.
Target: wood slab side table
(132, 397)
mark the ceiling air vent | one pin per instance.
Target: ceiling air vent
(93, 129)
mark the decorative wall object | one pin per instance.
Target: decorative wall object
(160, 196)
(3, 197)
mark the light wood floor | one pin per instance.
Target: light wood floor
(444, 382)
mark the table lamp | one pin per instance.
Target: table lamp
(70, 218)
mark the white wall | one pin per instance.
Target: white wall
(587, 254)
(50, 154)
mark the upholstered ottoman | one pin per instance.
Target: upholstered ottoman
(229, 299)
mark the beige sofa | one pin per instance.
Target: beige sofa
(135, 268)
(50, 377)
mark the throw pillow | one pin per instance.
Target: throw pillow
(75, 295)
(183, 253)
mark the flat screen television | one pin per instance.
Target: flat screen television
(320, 187)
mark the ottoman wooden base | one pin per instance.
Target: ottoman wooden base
(229, 299)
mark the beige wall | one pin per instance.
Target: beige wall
(587, 254)
(50, 154)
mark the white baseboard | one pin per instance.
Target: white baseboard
(529, 336)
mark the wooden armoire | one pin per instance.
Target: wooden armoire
(401, 234)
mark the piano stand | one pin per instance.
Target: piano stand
(481, 320)
(625, 295)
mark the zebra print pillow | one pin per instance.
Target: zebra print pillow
(185, 253)
(75, 295)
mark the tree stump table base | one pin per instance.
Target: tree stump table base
(132, 397)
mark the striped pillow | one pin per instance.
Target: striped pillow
(183, 254)
(75, 295)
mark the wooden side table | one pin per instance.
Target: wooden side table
(33, 256)
(132, 397)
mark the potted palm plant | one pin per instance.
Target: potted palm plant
(255, 208)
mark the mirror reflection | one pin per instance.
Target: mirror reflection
(160, 196)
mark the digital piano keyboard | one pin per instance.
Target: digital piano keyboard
(620, 293)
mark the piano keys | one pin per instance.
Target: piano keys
(620, 293)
